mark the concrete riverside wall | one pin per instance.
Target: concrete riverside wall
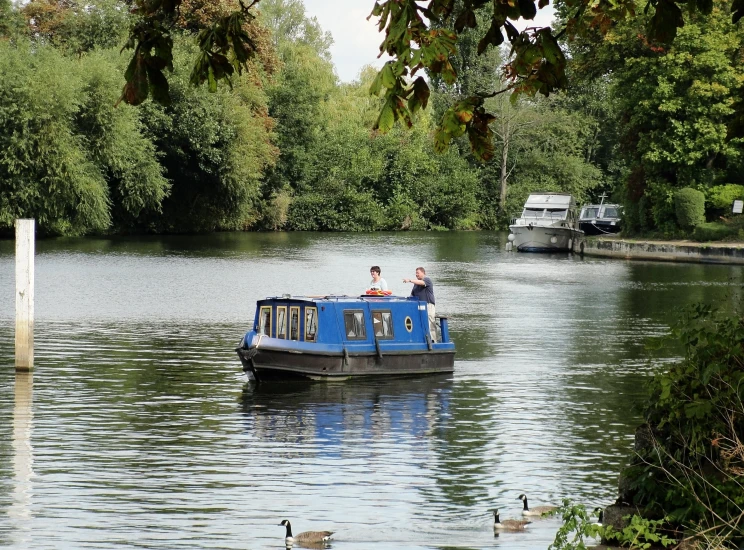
(679, 251)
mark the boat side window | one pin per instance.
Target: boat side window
(354, 325)
(311, 323)
(294, 323)
(382, 321)
(264, 321)
(281, 322)
(610, 212)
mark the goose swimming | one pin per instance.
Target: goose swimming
(305, 537)
(508, 524)
(537, 510)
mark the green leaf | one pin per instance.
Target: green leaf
(136, 89)
(387, 77)
(386, 120)
(158, 85)
(421, 91)
(441, 141)
(493, 37)
(376, 87)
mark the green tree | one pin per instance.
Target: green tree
(45, 169)
(115, 140)
(214, 148)
(11, 22)
(297, 96)
(77, 27)
(289, 24)
(676, 110)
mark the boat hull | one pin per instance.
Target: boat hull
(268, 364)
(536, 238)
(600, 227)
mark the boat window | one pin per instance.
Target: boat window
(281, 322)
(610, 212)
(264, 321)
(382, 321)
(533, 213)
(294, 323)
(354, 324)
(589, 213)
(311, 324)
(409, 324)
(556, 214)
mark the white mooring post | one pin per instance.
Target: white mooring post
(24, 328)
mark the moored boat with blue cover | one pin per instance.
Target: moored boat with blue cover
(339, 337)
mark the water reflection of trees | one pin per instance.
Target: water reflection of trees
(464, 447)
(600, 385)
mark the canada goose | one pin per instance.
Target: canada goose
(600, 519)
(307, 536)
(537, 510)
(508, 524)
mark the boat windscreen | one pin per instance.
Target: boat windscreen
(533, 212)
(556, 213)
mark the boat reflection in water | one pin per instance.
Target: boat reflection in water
(327, 413)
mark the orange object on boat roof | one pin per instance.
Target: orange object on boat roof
(375, 292)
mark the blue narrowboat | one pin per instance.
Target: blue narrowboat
(339, 337)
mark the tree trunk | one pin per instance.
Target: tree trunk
(502, 179)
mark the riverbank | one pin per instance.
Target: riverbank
(671, 251)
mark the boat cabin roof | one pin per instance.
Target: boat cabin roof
(338, 298)
(550, 200)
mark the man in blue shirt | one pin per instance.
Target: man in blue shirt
(423, 289)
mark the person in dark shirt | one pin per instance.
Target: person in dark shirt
(423, 289)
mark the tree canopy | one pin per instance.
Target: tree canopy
(287, 146)
(417, 37)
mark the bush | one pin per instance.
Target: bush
(712, 231)
(721, 197)
(689, 205)
(691, 467)
(344, 210)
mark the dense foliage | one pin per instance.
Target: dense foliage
(79, 164)
(579, 530)
(691, 468)
(286, 146)
(677, 121)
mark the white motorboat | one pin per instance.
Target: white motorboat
(548, 223)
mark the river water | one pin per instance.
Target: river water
(138, 428)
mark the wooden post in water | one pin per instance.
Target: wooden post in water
(24, 327)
